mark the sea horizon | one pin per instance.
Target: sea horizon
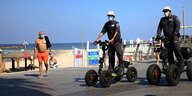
(56, 46)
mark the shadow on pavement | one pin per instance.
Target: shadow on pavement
(162, 82)
(22, 87)
(144, 81)
(32, 75)
(81, 80)
(150, 62)
(98, 90)
(150, 95)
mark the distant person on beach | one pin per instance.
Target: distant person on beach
(53, 62)
(112, 28)
(157, 48)
(170, 24)
(42, 43)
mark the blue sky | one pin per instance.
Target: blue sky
(61, 20)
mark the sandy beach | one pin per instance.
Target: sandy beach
(66, 58)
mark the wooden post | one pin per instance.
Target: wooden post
(3, 66)
(25, 63)
(31, 63)
(18, 61)
(13, 64)
(183, 26)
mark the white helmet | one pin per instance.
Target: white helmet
(167, 8)
(111, 13)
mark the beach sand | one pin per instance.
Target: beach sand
(66, 59)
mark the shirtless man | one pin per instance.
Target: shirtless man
(42, 43)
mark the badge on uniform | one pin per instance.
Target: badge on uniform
(170, 20)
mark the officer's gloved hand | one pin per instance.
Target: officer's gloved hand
(175, 35)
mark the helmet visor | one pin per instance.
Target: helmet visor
(165, 10)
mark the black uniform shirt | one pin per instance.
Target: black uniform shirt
(170, 26)
(111, 27)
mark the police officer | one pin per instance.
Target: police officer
(170, 24)
(113, 31)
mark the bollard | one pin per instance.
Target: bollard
(87, 45)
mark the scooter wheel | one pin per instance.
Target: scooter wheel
(131, 74)
(153, 74)
(173, 75)
(189, 71)
(91, 78)
(106, 78)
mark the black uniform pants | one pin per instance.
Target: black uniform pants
(115, 47)
(174, 46)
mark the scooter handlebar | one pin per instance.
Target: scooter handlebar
(99, 42)
(95, 42)
(112, 42)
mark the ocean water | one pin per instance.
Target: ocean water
(55, 46)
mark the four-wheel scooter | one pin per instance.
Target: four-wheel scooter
(172, 71)
(105, 76)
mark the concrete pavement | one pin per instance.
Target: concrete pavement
(70, 82)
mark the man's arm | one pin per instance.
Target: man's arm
(35, 49)
(113, 37)
(50, 51)
(103, 31)
(101, 34)
(159, 29)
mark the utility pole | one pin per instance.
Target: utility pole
(82, 36)
(82, 41)
(183, 25)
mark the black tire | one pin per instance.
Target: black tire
(91, 78)
(173, 75)
(189, 71)
(153, 74)
(131, 74)
(106, 78)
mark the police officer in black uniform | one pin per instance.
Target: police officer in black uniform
(113, 31)
(170, 24)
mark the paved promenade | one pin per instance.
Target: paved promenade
(70, 82)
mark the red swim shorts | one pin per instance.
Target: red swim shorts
(42, 56)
